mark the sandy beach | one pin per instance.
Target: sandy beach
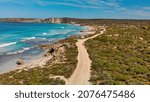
(40, 62)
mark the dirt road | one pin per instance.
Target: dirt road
(81, 75)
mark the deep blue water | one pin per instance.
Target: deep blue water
(17, 40)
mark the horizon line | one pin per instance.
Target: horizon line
(74, 18)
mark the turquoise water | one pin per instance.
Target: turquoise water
(18, 40)
(22, 36)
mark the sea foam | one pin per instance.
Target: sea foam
(30, 38)
(7, 44)
(17, 52)
(44, 33)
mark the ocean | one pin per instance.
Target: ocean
(18, 40)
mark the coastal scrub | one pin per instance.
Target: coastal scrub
(121, 56)
(63, 64)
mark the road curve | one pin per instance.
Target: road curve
(81, 74)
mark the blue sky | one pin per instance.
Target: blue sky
(121, 9)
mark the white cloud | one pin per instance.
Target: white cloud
(43, 3)
(112, 6)
(146, 8)
(139, 13)
(98, 4)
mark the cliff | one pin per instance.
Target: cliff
(55, 20)
(82, 22)
(36, 20)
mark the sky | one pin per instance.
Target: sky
(116, 9)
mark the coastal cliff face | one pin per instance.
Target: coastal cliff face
(51, 20)
(56, 20)
(36, 20)
(82, 22)
(19, 20)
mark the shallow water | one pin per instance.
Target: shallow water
(17, 40)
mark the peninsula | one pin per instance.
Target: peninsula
(110, 52)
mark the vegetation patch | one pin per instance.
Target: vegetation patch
(121, 56)
(42, 76)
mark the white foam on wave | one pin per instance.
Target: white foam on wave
(55, 32)
(7, 44)
(17, 52)
(30, 38)
(44, 33)
(62, 27)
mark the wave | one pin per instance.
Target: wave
(30, 38)
(66, 31)
(17, 52)
(7, 44)
(44, 33)
(62, 27)
(59, 32)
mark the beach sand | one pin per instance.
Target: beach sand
(40, 62)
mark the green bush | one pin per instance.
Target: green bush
(41, 76)
(120, 56)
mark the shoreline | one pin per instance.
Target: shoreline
(40, 62)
